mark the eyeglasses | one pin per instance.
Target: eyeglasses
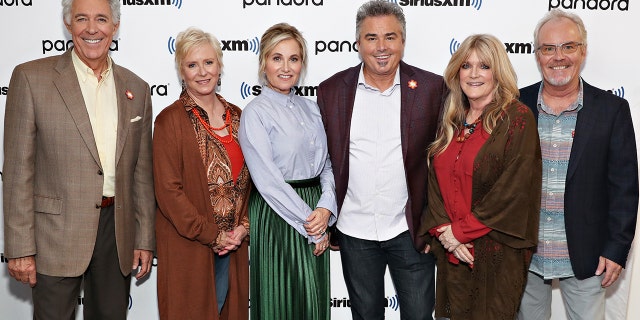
(567, 48)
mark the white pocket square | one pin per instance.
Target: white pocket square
(136, 118)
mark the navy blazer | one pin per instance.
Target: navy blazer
(420, 114)
(601, 193)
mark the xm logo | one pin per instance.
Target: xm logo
(252, 45)
(618, 92)
(477, 4)
(519, 47)
(247, 90)
(176, 3)
(510, 47)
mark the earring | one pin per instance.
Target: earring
(182, 84)
(219, 80)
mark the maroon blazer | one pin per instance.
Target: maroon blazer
(421, 107)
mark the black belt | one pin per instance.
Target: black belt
(306, 183)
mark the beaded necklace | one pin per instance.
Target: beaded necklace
(462, 136)
(227, 123)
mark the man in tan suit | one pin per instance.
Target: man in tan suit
(78, 187)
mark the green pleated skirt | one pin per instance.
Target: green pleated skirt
(287, 281)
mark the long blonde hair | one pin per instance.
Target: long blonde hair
(492, 53)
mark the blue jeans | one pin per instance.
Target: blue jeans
(222, 278)
(364, 263)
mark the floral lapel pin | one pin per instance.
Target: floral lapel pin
(129, 94)
(413, 84)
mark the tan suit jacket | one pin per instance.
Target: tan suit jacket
(52, 173)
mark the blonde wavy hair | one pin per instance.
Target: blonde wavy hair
(492, 53)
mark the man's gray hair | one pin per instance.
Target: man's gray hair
(556, 14)
(114, 4)
(377, 8)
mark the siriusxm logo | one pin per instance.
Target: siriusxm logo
(453, 46)
(510, 47)
(3, 259)
(64, 45)
(299, 3)
(252, 45)
(336, 46)
(247, 90)
(340, 303)
(618, 92)
(15, 3)
(393, 302)
(171, 45)
(622, 5)
(390, 302)
(477, 4)
(3, 92)
(176, 3)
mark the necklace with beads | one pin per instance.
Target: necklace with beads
(227, 123)
(462, 136)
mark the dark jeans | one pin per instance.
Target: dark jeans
(364, 263)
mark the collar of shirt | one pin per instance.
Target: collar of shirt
(575, 106)
(83, 71)
(279, 98)
(362, 84)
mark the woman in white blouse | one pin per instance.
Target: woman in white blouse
(285, 148)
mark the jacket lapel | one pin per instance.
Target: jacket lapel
(407, 103)
(69, 89)
(584, 127)
(124, 110)
(348, 97)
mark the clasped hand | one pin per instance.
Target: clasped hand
(230, 240)
(449, 242)
(316, 226)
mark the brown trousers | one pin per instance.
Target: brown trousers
(106, 290)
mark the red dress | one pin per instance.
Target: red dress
(454, 171)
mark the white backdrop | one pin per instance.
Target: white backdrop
(33, 29)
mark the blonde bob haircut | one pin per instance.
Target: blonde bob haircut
(191, 38)
(490, 52)
(270, 39)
